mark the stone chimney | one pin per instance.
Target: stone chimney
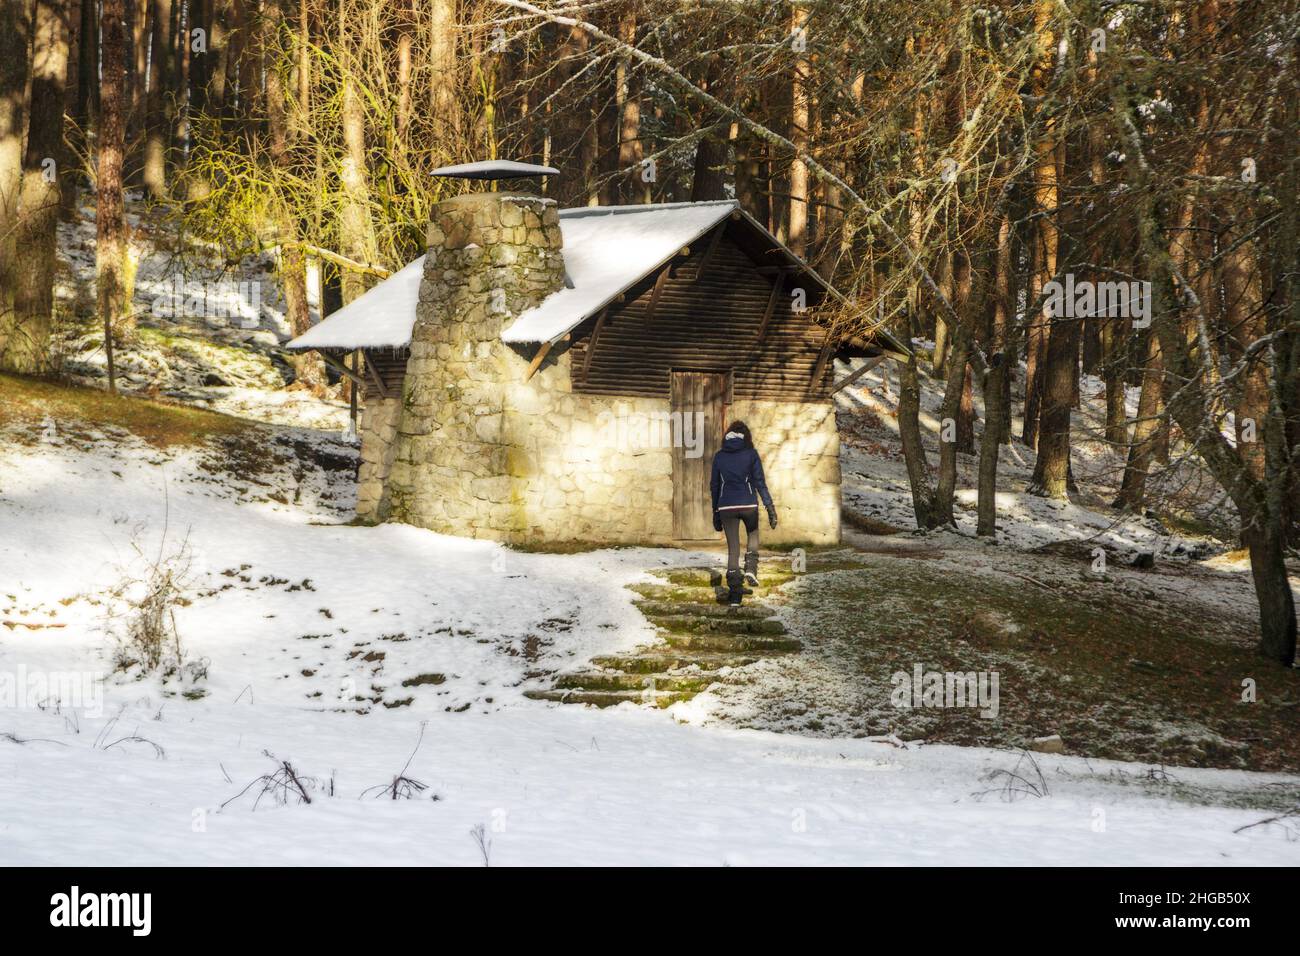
(491, 256)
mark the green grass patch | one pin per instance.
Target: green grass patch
(1116, 675)
(28, 401)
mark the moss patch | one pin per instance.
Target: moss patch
(1117, 676)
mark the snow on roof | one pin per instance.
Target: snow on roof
(606, 250)
(382, 317)
(495, 169)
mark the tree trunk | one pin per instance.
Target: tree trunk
(71, 107)
(1273, 590)
(404, 63)
(158, 122)
(751, 175)
(800, 125)
(1112, 373)
(708, 179)
(111, 279)
(442, 61)
(309, 370)
(1035, 343)
(88, 68)
(630, 150)
(949, 411)
(355, 230)
(957, 367)
(996, 407)
(942, 344)
(1146, 429)
(137, 53)
(1046, 200)
(14, 39)
(1052, 469)
(909, 430)
(1246, 322)
(27, 347)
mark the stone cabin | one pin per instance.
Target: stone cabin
(548, 375)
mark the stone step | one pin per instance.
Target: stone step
(687, 624)
(714, 641)
(614, 680)
(693, 597)
(658, 660)
(611, 698)
(658, 609)
(770, 574)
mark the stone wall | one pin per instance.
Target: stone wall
(378, 433)
(490, 257)
(476, 448)
(800, 447)
(596, 468)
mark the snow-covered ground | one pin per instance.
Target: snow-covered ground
(875, 475)
(336, 648)
(209, 331)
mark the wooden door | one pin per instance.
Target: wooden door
(699, 402)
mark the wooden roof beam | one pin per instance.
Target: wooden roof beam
(660, 281)
(540, 357)
(591, 342)
(374, 377)
(820, 368)
(777, 287)
(342, 369)
(709, 250)
(867, 366)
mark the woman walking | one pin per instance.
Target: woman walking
(736, 486)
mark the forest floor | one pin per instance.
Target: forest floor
(365, 658)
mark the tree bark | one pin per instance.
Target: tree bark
(1273, 591)
(442, 62)
(309, 370)
(88, 68)
(708, 179)
(963, 281)
(355, 229)
(15, 37)
(1112, 372)
(1052, 469)
(949, 411)
(111, 279)
(1035, 343)
(800, 125)
(1246, 322)
(909, 431)
(631, 152)
(71, 107)
(27, 347)
(137, 54)
(1146, 430)
(996, 407)
(158, 121)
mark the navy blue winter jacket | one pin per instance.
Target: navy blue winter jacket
(737, 480)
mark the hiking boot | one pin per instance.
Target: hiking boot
(751, 568)
(735, 588)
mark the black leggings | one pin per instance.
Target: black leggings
(731, 521)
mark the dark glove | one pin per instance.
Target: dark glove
(717, 521)
(771, 517)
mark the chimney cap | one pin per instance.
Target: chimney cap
(495, 169)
